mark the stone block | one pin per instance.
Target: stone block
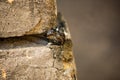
(33, 58)
(24, 17)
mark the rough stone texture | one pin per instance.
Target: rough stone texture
(20, 17)
(32, 58)
(39, 56)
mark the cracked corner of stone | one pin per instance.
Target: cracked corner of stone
(34, 29)
(39, 27)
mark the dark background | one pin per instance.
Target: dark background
(95, 30)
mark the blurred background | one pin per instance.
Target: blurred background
(95, 30)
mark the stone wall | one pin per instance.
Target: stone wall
(35, 42)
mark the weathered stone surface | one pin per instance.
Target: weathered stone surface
(46, 56)
(20, 17)
(32, 58)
